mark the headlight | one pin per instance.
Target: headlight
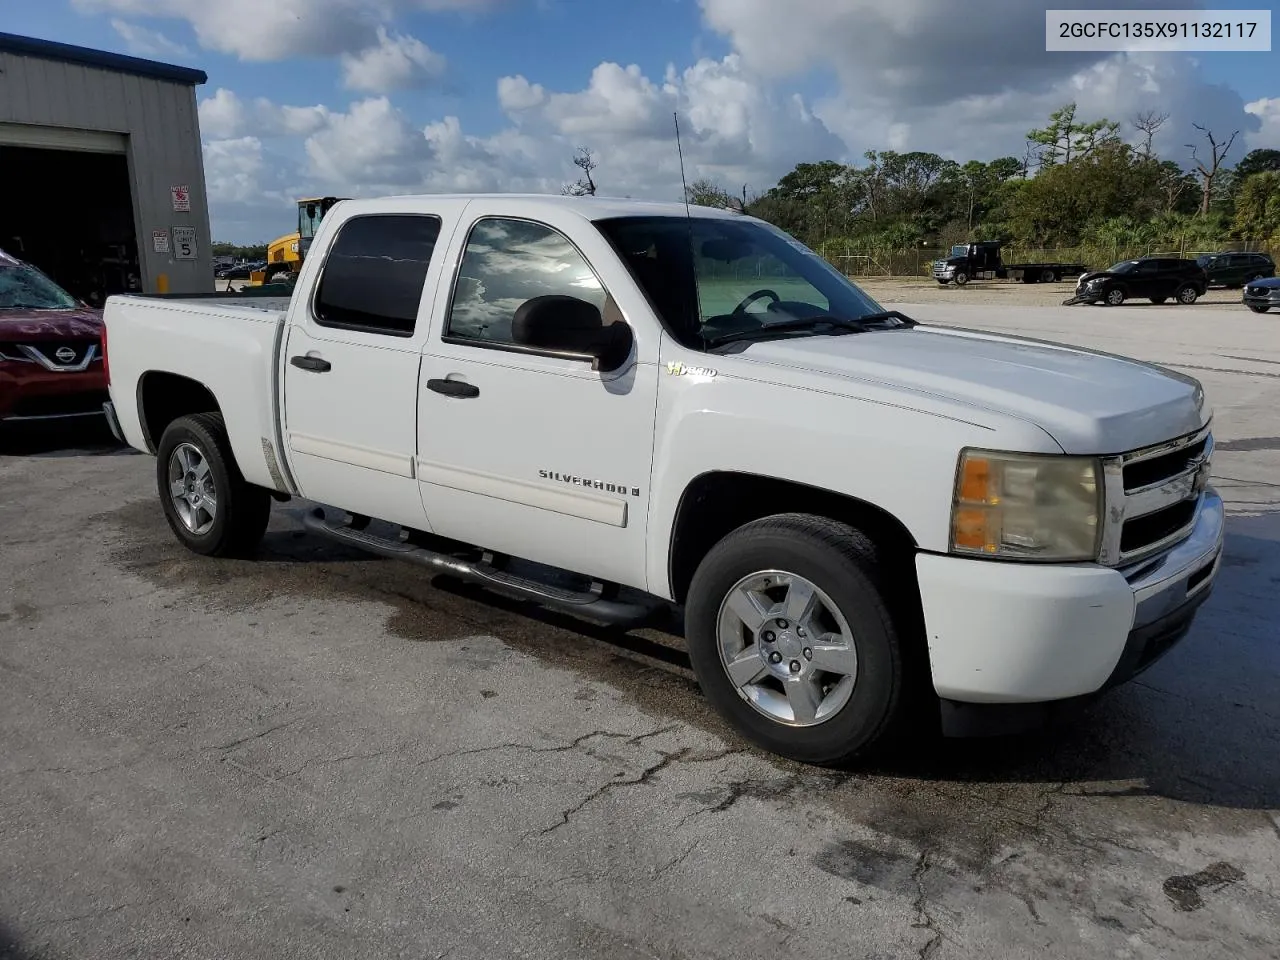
(1027, 506)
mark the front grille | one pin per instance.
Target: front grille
(1146, 472)
(1153, 497)
(60, 355)
(1154, 527)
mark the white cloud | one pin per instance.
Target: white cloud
(516, 94)
(395, 63)
(1267, 110)
(279, 29)
(233, 168)
(145, 42)
(370, 148)
(225, 115)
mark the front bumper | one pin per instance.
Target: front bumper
(1006, 634)
(29, 392)
(1271, 299)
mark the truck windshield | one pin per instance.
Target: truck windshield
(709, 278)
(25, 288)
(959, 250)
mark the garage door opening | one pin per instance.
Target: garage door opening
(70, 213)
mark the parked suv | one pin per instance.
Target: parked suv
(1236, 269)
(1154, 278)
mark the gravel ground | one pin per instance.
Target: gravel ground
(322, 754)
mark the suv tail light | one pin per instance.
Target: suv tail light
(102, 347)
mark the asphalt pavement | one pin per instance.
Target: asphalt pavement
(318, 753)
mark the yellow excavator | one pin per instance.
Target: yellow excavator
(285, 254)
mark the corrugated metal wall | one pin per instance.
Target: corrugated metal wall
(160, 121)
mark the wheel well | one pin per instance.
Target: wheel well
(164, 397)
(717, 503)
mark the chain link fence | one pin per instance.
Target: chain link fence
(913, 262)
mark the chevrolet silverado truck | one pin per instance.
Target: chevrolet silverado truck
(620, 408)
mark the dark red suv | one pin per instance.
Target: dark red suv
(50, 353)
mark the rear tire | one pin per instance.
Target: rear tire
(1048, 276)
(787, 693)
(1187, 295)
(209, 505)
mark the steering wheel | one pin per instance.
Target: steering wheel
(752, 298)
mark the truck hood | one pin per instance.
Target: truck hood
(81, 323)
(1089, 402)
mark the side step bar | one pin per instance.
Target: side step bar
(598, 603)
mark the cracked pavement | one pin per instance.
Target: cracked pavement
(324, 754)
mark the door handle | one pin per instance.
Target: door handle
(454, 388)
(311, 363)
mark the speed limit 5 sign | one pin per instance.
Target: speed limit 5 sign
(184, 243)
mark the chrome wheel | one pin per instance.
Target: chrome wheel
(1187, 295)
(191, 487)
(1115, 297)
(787, 649)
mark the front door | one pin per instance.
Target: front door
(522, 451)
(350, 365)
(1144, 280)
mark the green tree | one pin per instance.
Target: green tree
(1258, 161)
(1065, 139)
(705, 192)
(1257, 214)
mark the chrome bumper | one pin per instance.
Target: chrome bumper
(1187, 572)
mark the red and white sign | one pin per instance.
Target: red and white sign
(181, 198)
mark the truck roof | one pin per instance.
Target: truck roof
(590, 208)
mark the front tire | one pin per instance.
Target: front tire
(792, 640)
(1187, 295)
(1114, 297)
(961, 278)
(1259, 309)
(209, 505)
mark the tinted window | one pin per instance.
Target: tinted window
(374, 274)
(508, 262)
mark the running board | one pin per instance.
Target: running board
(598, 603)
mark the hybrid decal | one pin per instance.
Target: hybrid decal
(589, 484)
(677, 369)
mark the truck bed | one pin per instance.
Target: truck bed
(228, 345)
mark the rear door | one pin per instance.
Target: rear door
(1144, 280)
(351, 361)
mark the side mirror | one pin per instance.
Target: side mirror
(574, 327)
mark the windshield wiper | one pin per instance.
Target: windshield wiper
(902, 318)
(825, 324)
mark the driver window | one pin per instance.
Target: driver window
(508, 262)
(724, 287)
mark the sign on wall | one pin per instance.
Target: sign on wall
(181, 198)
(184, 243)
(160, 241)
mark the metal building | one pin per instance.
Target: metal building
(102, 170)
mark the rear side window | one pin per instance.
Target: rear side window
(374, 274)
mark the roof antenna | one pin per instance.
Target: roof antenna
(688, 219)
(680, 152)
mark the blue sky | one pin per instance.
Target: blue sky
(360, 97)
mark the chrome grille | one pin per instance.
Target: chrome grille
(1153, 496)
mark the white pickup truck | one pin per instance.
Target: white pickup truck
(614, 406)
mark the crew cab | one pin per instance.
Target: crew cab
(628, 409)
